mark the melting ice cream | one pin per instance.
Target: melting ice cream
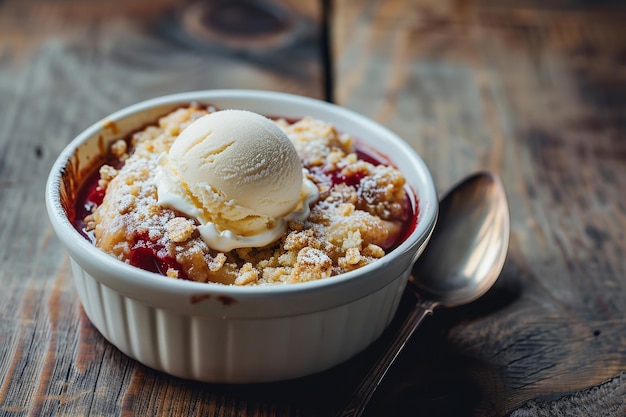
(239, 175)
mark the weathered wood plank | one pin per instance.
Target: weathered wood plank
(533, 91)
(63, 66)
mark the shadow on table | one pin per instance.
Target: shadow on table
(434, 378)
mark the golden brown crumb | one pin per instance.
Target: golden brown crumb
(118, 148)
(179, 229)
(373, 251)
(247, 275)
(353, 256)
(107, 173)
(311, 264)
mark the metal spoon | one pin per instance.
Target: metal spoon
(461, 262)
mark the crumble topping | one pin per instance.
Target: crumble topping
(362, 207)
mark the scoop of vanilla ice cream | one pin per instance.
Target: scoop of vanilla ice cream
(239, 175)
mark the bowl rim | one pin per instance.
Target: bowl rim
(427, 216)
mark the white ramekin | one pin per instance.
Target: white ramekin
(227, 334)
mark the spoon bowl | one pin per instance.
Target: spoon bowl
(468, 247)
(461, 262)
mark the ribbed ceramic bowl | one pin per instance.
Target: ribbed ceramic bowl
(228, 334)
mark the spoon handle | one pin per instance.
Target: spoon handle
(365, 390)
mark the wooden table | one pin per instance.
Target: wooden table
(534, 91)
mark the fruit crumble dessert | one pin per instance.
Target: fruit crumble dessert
(225, 197)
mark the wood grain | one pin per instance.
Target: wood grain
(534, 92)
(63, 66)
